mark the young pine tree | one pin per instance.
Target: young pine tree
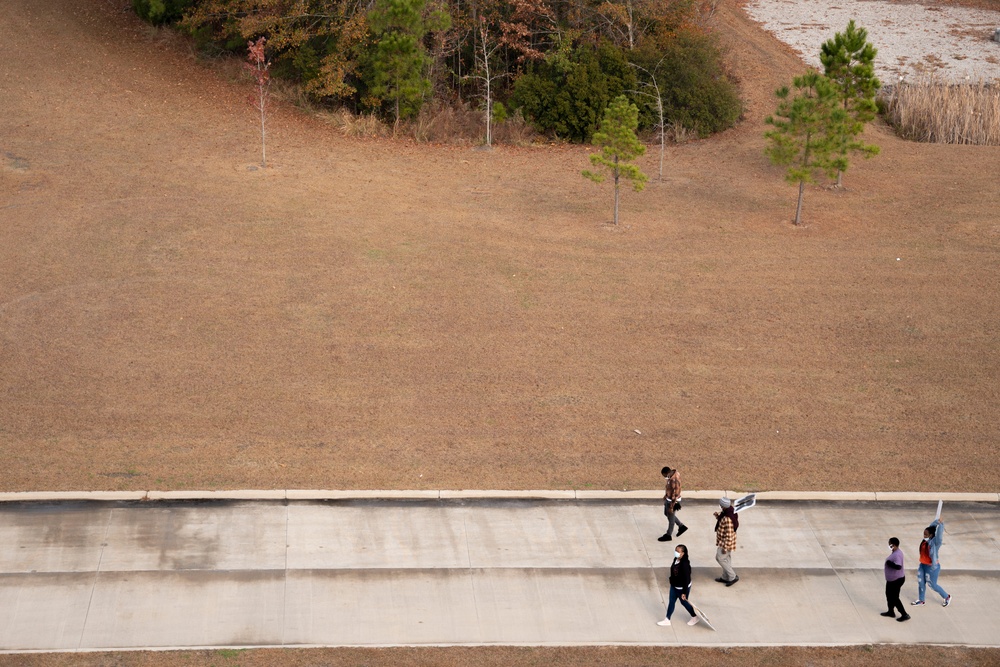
(619, 146)
(807, 130)
(849, 62)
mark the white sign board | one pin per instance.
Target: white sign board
(744, 503)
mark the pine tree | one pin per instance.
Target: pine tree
(400, 59)
(807, 131)
(848, 60)
(619, 146)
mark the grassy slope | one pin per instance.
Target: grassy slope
(380, 315)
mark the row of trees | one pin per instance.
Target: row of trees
(560, 62)
(815, 129)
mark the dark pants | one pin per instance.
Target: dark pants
(892, 589)
(675, 595)
(671, 518)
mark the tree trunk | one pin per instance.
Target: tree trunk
(616, 193)
(631, 28)
(489, 96)
(659, 106)
(798, 207)
(840, 179)
(263, 142)
(489, 118)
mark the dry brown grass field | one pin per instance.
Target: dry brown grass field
(379, 314)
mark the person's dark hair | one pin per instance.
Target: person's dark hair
(932, 530)
(666, 471)
(684, 547)
(894, 541)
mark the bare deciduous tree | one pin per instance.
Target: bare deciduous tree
(486, 72)
(259, 67)
(659, 105)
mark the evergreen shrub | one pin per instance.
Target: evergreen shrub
(159, 12)
(566, 94)
(697, 93)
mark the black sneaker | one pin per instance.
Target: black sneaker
(664, 538)
(721, 580)
(730, 583)
(904, 617)
(680, 531)
(888, 614)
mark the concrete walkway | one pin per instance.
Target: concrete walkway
(123, 575)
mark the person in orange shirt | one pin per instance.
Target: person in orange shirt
(930, 566)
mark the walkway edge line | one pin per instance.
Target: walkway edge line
(486, 494)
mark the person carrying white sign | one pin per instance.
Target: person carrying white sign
(726, 525)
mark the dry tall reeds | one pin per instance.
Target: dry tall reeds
(936, 111)
(437, 123)
(362, 126)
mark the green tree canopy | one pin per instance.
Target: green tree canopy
(696, 92)
(806, 131)
(399, 62)
(568, 91)
(849, 62)
(619, 146)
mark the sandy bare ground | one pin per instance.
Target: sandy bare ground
(386, 315)
(951, 41)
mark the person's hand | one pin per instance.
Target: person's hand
(684, 597)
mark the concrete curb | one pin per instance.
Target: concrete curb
(485, 494)
(435, 645)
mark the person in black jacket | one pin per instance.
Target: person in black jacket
(680, 585)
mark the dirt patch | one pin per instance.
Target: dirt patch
(912, 38)
(370, 314)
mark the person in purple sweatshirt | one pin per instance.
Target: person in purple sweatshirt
(895, 577)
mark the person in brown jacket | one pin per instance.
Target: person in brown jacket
(671, 503)
(726, 525)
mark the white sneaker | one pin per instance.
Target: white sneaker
(665, 621)
(694, 620)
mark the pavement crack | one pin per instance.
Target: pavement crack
(97, 574)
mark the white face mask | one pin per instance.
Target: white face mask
(927, 539)
(677, 555)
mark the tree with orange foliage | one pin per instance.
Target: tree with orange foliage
(290, 25)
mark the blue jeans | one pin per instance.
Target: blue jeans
(929, 574)
(675, 595)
